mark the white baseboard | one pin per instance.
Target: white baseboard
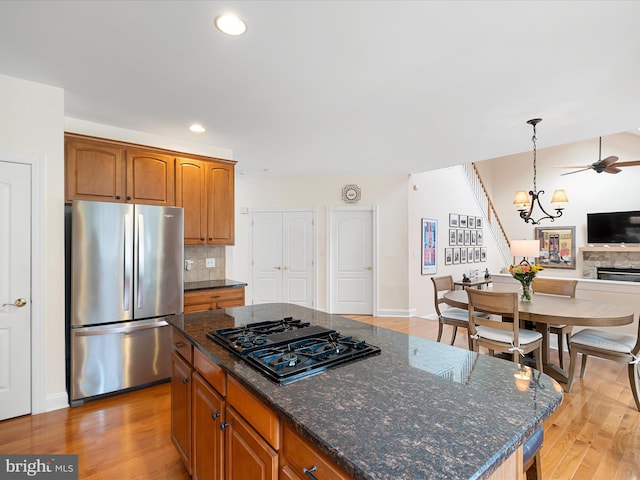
(56, 402)
(394, 313)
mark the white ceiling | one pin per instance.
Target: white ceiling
(330, 87)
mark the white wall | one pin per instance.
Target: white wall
(32, 121)
(437, 194)
(388, 192)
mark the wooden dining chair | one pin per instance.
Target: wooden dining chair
(453, 316)
(560, 287)
(506, 336)
(609, 345)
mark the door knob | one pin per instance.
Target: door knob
(20, 302)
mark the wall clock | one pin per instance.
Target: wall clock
(351, 194)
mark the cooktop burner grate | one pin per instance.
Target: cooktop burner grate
(288, 350)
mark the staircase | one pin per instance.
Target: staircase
(490, 214)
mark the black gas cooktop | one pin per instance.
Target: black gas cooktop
(287, 350)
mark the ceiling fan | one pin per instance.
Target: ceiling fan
(607, 165)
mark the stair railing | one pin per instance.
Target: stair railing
(484, 202)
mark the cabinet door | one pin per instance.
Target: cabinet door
(191, 195)
(208, 437)
(181, 408)
(220, 204)
(150, 178)
(94, 171)
(247, 454)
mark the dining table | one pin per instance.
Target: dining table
(545, 310)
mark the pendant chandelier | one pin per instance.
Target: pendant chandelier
(525, 202)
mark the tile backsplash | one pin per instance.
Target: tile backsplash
(199, 272)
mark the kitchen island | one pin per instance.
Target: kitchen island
(418, 410)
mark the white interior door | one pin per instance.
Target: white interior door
(15, 289)
(266, 241)
(283, 250)
(351, 261)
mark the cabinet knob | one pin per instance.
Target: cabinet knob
(117, 197)
(309, 472)
(224, 425)
(178, 344)
(215, 415)
(210, 238)
(128, 197)
(185, 380)
(202, 239)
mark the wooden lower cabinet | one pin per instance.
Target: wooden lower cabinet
(223, 431)
(181, 374)
(299, 459)
(248, 455)
(212, 299)
(208, 413)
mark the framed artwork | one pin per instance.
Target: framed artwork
(467, 237)
(453, 237)
(463, 221)
(460, 237)
(456, 255)
(469, 254)
(476, 254)
(471, 222)
(474, 237)
(478, 222)
(429, 246)
(453, 220)
(479, 238)
(448, 256)
(557, 247)
(483, 254)
(463, 255)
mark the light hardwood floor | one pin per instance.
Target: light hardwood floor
(595, 434)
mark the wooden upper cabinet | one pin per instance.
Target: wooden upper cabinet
(150, 178)
(94, 171)
(220, 204)
(111, 172)
(191, 195)
(205, 189)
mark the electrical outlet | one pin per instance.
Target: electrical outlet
(210, 262)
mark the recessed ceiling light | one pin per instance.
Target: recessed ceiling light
(230, 24)
(197, 128)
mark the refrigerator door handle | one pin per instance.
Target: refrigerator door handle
(128, 261)
(141, 248)
(102, 331)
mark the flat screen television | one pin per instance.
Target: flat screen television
(613, 227)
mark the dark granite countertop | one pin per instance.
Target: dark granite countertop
(419, 410)
(207, 284)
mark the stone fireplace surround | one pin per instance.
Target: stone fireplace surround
(612, 257)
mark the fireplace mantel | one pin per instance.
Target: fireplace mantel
(601, 256)
(617, 248)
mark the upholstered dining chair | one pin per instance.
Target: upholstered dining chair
(610, 346)
(561, 287)
(455, 317)
(503, 337)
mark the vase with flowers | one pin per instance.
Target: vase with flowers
(525, 272)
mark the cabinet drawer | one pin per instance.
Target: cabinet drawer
(211, 372)
(256, 413)
(298, 454)
(211, 299)
(182, 346)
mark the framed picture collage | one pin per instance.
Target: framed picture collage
(465, 240)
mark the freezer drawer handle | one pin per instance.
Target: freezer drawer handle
(134, 328)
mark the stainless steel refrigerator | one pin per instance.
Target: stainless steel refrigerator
(126, 277)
